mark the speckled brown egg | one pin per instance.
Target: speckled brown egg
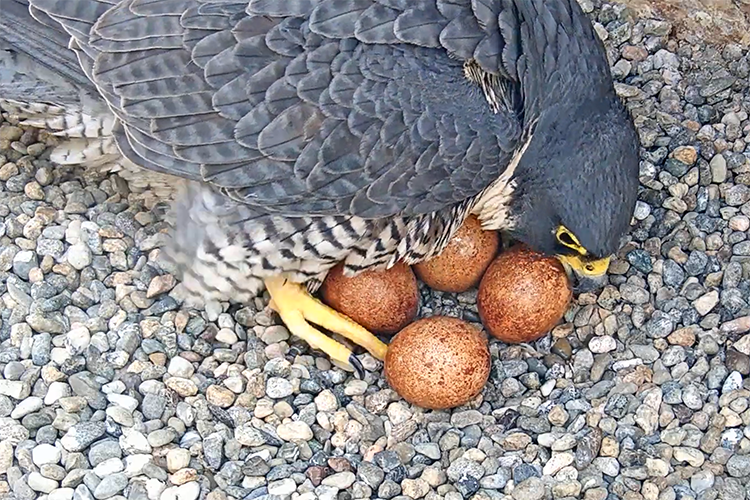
(523, 295)
(383, 301)
(438, 362)
(462, 263)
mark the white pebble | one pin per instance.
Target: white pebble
(127, 402)
(548, 387)
(295, 431)
(188, 491)
(274, 334)
(24, 257)
(73, 232)
(225, 321)
(39, 483)
(326, 400)
(45, 454)
(180, 367)
(718, 167)
(61, 494)
(14, 389)
(642, 210)
(398, 413)
(739, 223)
(226, 336)
(547, 439)
(657, 467)
(151, 387)
(116, 387)
(177, 458)
(340, 480)
(110, 466)
(155, 489)
(732, 382)
(79, 256)
(134, 464)
(77, 340)
(59, 355)
(264, 454)
(252, 483)
(285, 486)
(355, 387)
(325, 492)
(235, 384)
(557, 462)
(133, 441)
(28, 405)
(690, 455)
(600, 345)
(626, 364)
(608, 465)
(278, 388)
(706, 302)
(56, 391)
(120, 415)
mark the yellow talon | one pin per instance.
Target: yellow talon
(298, 309)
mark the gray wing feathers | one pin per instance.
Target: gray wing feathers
(211, 46)
(121, 24)
(558, 46)
(165, 107)
(163, 87)
(306, 106)
(420, 27)
(274, 8)
(462, 36)
(377, 24)
(87, 12)
(337, 18)
(157, 7)
(286, 135)
(41, 39)
(127, 141)
(121, 68)
(465, 28)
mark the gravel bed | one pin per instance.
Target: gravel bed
(112, 389)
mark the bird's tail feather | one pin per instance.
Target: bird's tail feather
(42, 40)
(86, 141)
(41, 81)
(59, 120)
(42, 85)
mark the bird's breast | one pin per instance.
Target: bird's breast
(492, 205)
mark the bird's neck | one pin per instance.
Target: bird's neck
(563, 58)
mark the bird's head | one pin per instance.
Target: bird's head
(575, 187)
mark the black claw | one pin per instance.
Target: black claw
(357, 364)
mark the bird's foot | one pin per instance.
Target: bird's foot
(298, 309)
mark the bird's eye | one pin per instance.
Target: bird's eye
(565, 237)
(590, 268)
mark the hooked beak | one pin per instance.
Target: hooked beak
(585, 275)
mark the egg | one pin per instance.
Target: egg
(523, 295)
(462, 263)
(382, 301)
(438, 362)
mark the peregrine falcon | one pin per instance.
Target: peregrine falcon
(314, 132)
